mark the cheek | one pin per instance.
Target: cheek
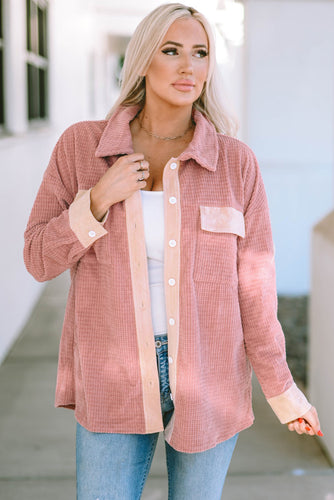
(203, 72)
(158, 68)
(157, 76)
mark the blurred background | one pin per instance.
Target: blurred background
(60, 62)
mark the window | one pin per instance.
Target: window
(37, 59)
(2, 97)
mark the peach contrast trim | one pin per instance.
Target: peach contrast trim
(142, 306)
(222, 220)
(289, 405)
(172, 215)
(83, 222)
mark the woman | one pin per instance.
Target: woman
(162, 218)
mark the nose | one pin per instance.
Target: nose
(186, 64)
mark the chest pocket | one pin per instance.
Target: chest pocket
(216, 246)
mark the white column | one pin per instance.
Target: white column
(15, 66)
(321, 379)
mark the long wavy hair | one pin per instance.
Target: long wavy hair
(143, 45)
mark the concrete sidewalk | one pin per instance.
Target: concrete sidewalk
(37, 450)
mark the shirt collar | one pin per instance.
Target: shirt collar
(116, 138)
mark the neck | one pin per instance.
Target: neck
(166, 122)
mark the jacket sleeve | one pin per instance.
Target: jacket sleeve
(61, 227)
(263, 335)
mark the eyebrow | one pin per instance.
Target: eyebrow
(170, 42)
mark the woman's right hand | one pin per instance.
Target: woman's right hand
(120, 181)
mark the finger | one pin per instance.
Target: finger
(144, 174)
(305, 427)
(133, 157)
(142, 165)
(311, 418)
(296, 426)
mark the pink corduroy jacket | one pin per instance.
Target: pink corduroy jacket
(219, 284)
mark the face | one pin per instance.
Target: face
(179, 68)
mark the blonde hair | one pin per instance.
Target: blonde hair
(140, 51)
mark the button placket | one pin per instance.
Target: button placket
(172, 256)
(145, 336)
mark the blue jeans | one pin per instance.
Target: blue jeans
(116, 466)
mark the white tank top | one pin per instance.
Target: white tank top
(154, 227)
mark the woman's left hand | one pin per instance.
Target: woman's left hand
(306, 424)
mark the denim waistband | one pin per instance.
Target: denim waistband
(160, 340)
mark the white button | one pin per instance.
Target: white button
(171, 321)
(170, 360)
(172, 200)
(173, 166)
(172, 243)
(171, 281)
(171, 396)
(92, 234)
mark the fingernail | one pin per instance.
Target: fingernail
(320, 433)
(300, 420)
(308, 428)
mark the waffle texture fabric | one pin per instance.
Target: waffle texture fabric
(220, 289)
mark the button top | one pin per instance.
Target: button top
(172, 200)
(173, 166)
(171, 321)
(172, 243)
(171, 281)
(92, 234)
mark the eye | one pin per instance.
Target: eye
(201, 53)
(171, 51)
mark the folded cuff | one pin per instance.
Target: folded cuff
(289, 405)
(82, 221)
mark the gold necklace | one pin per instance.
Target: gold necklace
(163, 138)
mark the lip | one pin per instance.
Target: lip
(184, 85)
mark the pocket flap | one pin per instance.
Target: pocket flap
(222, 220)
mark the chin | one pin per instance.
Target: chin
(186, 100)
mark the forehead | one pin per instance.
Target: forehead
(188, 29)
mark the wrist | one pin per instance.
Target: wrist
(97, 207)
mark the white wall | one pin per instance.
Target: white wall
(289, 122)
(72, 50)
(23, 160)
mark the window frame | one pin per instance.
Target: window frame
(2, 71)
(37, 63)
